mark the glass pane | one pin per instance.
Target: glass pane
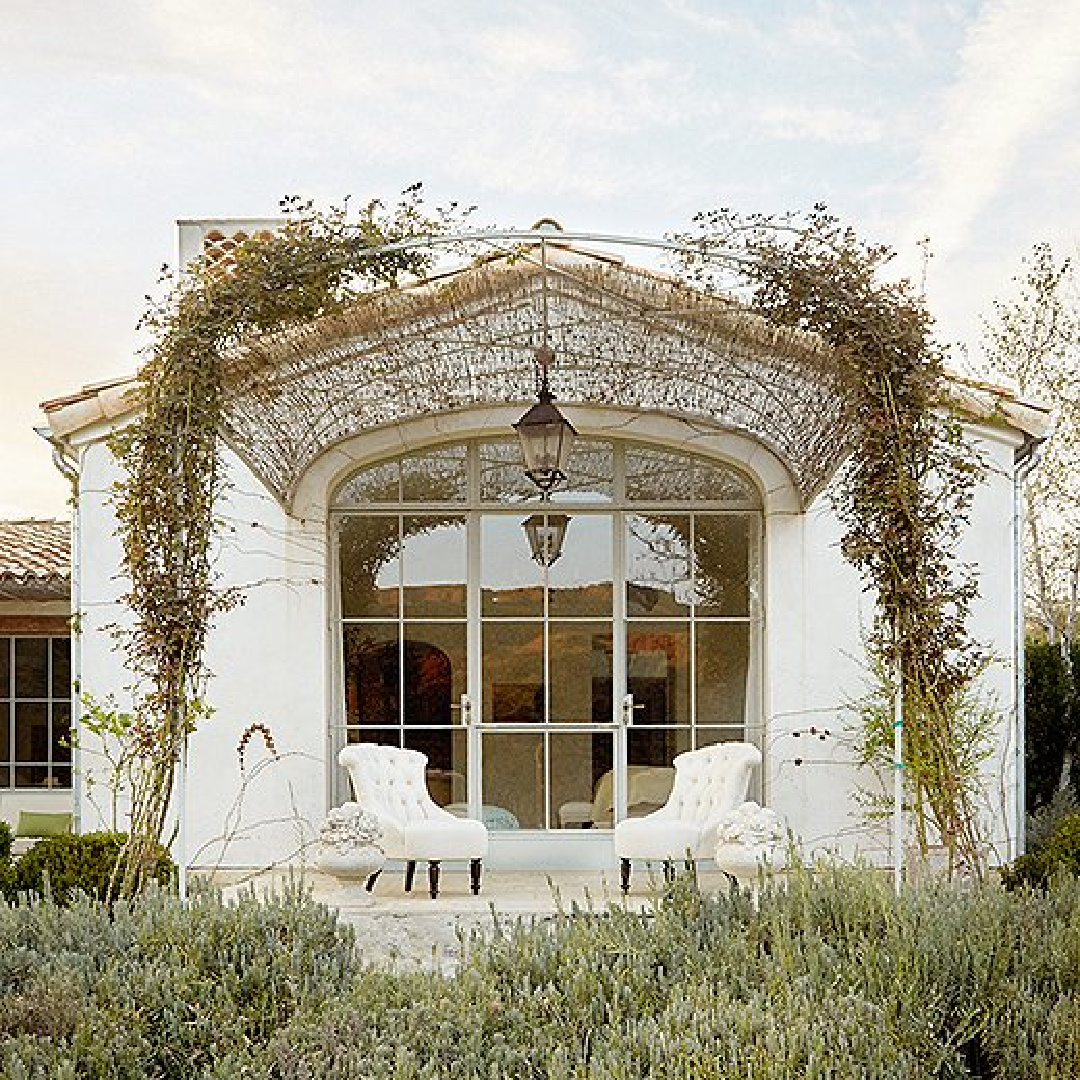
(581, 672)
(5, 732)
(658, 581)
(372, 689)
(580, 581)
(384, 736)
(723, 661)
(31, 744)
(590, 474)
(370, 567)
(658, 476)
(435, 674)
(658, 671)
(5, 668)
(61, 667)
(502, 474)
(511, 583)
(513, 672)
(435, 476)
(576, 766)
(434, 567)
(722, 545)
(721, 483)
(656, 747)
(5, 776)
(377, 484)
(61, 732)
(650, 773)
(31, 667)
(513, 788)
(447, 767)
(61, 776)
(707, 736)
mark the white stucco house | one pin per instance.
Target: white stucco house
(378, 522)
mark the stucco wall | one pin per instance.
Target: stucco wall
(270, 659)
(816, 616)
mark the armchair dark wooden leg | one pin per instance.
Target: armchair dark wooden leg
(370, 886)
(433, 879)
(624, 875)
(410, 873)
(475, 869)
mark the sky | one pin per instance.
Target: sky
(954, 120)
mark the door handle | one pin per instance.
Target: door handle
(465, 709)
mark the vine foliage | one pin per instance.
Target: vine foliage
(173, 478)
(904, 497)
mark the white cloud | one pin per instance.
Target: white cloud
(819, 123)
(1019, 73)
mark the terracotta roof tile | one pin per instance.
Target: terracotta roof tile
(35, 560)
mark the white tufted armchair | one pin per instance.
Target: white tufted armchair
(708, 783)
(389, 782)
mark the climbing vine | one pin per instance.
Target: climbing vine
(904, 496)
(172, 478)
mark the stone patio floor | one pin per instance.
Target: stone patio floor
(414, 932)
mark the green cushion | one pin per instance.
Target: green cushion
(32, 823)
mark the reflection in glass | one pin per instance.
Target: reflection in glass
(658, 476)
(707, 736)
(513, 669)
(656, 747)
(372, 681)
(434, 567)
(511, 584)
(723, 659)
(370, 567)
(434, 671)
(31, 667)
(61, 667)
(435, 475)
(31, 743)
(61, 731)
(375, 484)
(502, 474)
(577, 765)
(383, 736)
(514, 777)
(650, 774)
(590, 475)
(580, 583)
(580, 669)
(447, 764)
(658, 581)
(722, 544)
(715, 482)
(658, 671)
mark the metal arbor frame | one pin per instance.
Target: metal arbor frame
(622, 336)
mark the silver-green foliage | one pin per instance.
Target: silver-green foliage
(832, 977)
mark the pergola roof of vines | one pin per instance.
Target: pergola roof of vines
(621, 336)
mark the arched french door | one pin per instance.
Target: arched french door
(550, 659)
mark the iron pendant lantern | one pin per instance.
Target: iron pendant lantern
(546, 534)
(547, 437)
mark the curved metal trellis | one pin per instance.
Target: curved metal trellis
(622, 336)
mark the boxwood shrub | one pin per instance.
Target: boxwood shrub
(62, 866)
(1058, 854)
